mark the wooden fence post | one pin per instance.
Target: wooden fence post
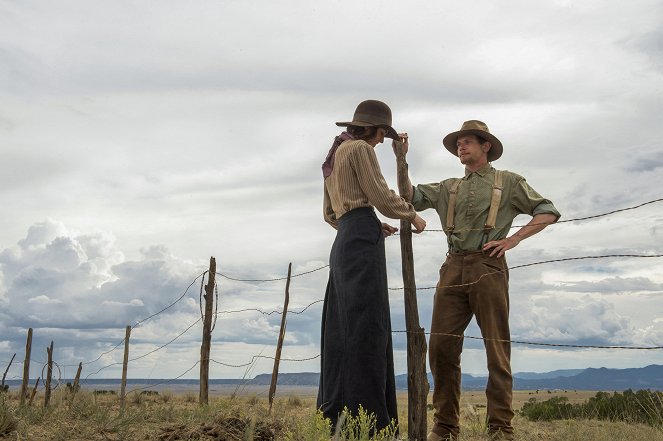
(207, 333)
(77, 379)
(417, 380)
(49, 374)
(5, 374)
(75, 387)
(279, 345)
(123, 388)
(26, 368)
(34, 392)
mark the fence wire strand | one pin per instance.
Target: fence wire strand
(605, 256)
(253, 358)
(165, 381)
(577, 219)
(274, 279)
(521, 342)
(272, 312)
(146, 354)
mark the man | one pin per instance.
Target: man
(474, 277)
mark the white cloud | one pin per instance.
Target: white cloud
(200, 129)
(43, 300)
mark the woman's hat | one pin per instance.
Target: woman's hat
(474, 127)
(371, 113)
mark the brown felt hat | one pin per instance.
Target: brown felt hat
(474, 127)
(371, 113)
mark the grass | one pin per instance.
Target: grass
(93, 417)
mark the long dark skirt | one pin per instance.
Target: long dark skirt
(357, 366)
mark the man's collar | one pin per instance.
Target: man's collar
(483, 171)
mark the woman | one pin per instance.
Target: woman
(357, 366)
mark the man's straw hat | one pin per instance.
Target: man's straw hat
(474, 127)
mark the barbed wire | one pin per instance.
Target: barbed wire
(59, 377)
(272, 312)
(172, 304)
(253, 358)
(121, 342)
(521, 342)
(577, 219)
(565, 259)
(165, 381)
(148, 353)
(274, 279)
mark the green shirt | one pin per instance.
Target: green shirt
(473, 202)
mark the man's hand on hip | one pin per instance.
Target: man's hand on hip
(499, 247)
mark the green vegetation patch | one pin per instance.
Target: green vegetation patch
(643, 406)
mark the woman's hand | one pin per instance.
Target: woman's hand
(388, 230)
(404, 141)
(419, 224)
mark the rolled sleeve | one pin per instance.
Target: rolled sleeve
(425, 196)
(529, 201)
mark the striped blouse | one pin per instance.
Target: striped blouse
(356, 181)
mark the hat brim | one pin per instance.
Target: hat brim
(494, 153)
(391, 133)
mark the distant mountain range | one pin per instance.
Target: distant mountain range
(601, 379)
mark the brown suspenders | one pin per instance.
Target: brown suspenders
(495, 199)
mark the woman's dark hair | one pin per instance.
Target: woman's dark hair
(364, 133)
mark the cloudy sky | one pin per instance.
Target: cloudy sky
(137, 139)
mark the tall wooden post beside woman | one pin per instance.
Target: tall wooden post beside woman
(357, 364)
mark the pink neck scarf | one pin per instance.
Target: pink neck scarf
(328, 165)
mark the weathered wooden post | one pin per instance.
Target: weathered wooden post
(417, 380)
(7, 370)
(26, 368)
(77, 379)
(49, 374)
(123, 388)
(279, 345)
(34, 392)
(207, 333)
(74, 388)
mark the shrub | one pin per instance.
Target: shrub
(104, 392)
(295, 401)
(362, 427)
(557, 408)
(643, 406)
(315, 427)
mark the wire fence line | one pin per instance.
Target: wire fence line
(161, 383)
(542, 262)
(258, 280)
(577, 219)
(273, 311)
(274, 279)
(532, 343)
(321, 300)
(255, 357)
(141, 321)
(147, 353)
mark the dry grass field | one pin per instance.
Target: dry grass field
(177, 416)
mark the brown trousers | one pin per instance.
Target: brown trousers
(484, 294)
